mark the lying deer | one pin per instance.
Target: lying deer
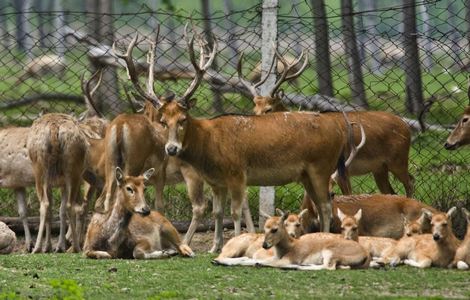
(309, 252)
(249, 245)
(462, 256)
(131, 229)
(388, 136)
(423, 251)
(48, 64)
(382, 215)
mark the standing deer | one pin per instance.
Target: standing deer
(388, 137)
(131, 229)
(57, 146)
(423, 251)
(232, 152)
(460, 136)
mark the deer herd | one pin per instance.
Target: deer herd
(116, 159)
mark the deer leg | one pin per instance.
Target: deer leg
(170, 235)
(238, 197)
(196, 195)
(218, 204)
(247, 214)
(23, 213)
(159, 183)
(402, 174)
(382, 181)
(317, 189)
(420, 262)
(72, 188)
(98, 254)
(48, 246)
(41, 190)
(61, 245)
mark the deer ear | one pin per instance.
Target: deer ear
(303, 213)
(280, 94)
(285, 215)
(358, 215)
(341, 215)
(451, 211)
(427, 212)
(147, 174)
(191, 103)
(466, 213)
(279, 212)
(264, 214)
(119, 176)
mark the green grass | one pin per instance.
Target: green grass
(50, 275)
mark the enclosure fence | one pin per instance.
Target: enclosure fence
(44, 54)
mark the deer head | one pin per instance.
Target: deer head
(441, 224)
(350, 224)
(174, 117)
(461, 134)
(273, 101)
(413, 227)
(274, 231)
(132, 190)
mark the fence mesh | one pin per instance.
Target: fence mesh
(65, 38)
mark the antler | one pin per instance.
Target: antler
(250, 86)
(287, 68)
(131, 70)
(200, 68)
(88, 95)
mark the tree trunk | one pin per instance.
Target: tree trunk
(23, 27)
(467, 19)
(217, 104)
(454, 35)
(5, 41)
(368, 39)
(58, 33)
(356, 80)
(426, 42)
(41, 6)
(269, 37)
(231, 27)
(414, 94)
(322, 49)
(100, 27)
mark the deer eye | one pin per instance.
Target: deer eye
(129, 190)
(464, 120)
(274, 230)
(297, 225)
(268, 110)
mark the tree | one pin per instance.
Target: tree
(368, 37)
(23, 28)
(356, 80)
(414, 94)
(322, 50)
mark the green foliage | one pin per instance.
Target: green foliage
(66, 289)
(10, 295)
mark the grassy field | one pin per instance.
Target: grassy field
(61, 275)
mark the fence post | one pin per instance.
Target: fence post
(414, 93)
(269, 36)
(322, 50)
(356, 80)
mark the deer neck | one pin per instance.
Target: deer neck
(119, 216)
(195, 144)
(284, 246)
(448, 245)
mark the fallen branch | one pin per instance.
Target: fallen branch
(41, 97)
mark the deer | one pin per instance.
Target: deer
(232, 152)
(388, 136)
(376, 246)
(382, 215)
(436, 249)
(131, 229)
(249, 245)
(57, 146)
(414, 227)
(460, 136)
(462, 255)
(135, 155)
(43, 65)
(309, 252)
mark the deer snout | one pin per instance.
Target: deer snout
(292, 234)
(266, 245)
(436, 237)
(449, 146)
(171, 149)
(144, 211)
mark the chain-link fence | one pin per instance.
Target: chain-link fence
(43, 55)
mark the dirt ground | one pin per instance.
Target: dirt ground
(202, 241)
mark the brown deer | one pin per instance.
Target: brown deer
(231, 152)
(309, 252)
(460, 136)
(423, 251)
(382, 215)
(388, 137)
(134, 142)
(249, 245)
(57, 146)
(131, 229)
(414, 227)
(48, 64)
(462, 256)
